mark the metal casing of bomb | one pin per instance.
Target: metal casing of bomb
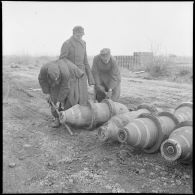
(184, 111)
(178, 147)
(110, 129)
(92, 114)
(148, 131)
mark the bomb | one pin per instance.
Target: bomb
(178, 147)
(93, 114)
(148, 131)
(184, 112)
(110, 129)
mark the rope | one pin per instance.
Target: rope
(110, 106)
(93, 115)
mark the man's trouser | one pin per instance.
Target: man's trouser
(100, 95)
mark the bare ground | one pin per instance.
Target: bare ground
(40, 159)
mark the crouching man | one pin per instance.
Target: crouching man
(106, 75)
(59, 80)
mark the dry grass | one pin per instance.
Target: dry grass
(27, 60)
(183, 72)
(159, 67)
(32, 60)
(163, 68)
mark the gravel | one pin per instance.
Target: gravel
(26, 145)
(12, 165)
(142, 171)
(178, 182)
(163, 173)
(152, 174)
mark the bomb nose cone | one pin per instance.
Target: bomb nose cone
(170, 150)
(122, 135)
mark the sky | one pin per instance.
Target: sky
(40, 28)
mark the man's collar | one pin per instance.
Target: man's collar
(79, 41)
(104, 62)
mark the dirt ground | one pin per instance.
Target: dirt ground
(41, 159)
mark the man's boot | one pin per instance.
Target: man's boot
(56, 123)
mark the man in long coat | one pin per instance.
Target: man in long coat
(74, 49)
(57, 79)
(106, 75)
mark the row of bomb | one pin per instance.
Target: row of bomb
(151, 130)
(147, 128)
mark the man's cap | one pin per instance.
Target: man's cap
(78, 29)
(105, 51)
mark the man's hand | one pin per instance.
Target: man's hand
(58, 105)
(91, 81)
(47, 97)
(100, 88)
(62, 105)
(109, 93)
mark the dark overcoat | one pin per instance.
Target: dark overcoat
(67, 90)
(107, 75)
(75, 51)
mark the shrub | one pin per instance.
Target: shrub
(159, 67)
(183, 72)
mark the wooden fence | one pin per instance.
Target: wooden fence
(129, 62)
(137, 63)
